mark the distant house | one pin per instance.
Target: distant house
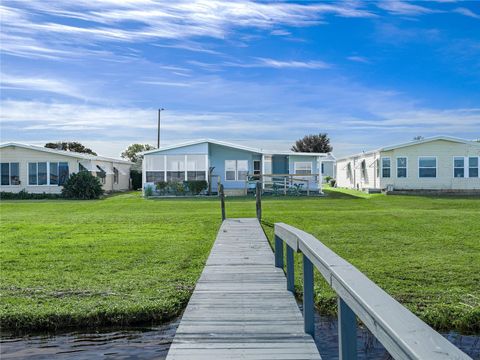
(42, 170)
(438, 163)
(233, 165)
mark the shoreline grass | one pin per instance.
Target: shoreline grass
(125, 260)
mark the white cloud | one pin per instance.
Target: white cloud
(104, 20)
(313, 64)
(466, 12)
(360, 59)
(399, 7)
(40, 84)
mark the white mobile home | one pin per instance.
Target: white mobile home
(42, 170)
(439, 163)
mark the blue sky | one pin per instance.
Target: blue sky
(259, 73)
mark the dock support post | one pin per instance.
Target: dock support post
(278, 252)
(347, 332)
(258, 194)
(222, 200)
(308, 299)
(290, 270)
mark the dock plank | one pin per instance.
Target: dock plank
(240, 308)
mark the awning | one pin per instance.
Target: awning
(104, 169)
(88, 166)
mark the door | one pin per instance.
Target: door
(257, 169)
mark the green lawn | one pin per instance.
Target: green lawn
(125, 260)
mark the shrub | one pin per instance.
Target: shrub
(328, 178)
(197, 186)
(162, 186)
(25, 195)
(148, 191)
(82, 185)
(333, 182)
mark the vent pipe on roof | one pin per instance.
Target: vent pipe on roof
(158, 134)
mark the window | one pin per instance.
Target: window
(257, 167)
(32, 173)
(427, 167)
(377, 165)
(242, 169)
(303, 168)
(323, 168)
(53, 173)
(363, 168)
(230, 169)
(401, 167)
(81, 168)
(101, 174)
(14, 174)
(115, 175)
(63, 172)
(473, 167)
(349, 171)
(386, 167)
(458, 167)
(5, 173)
(42, 173)
(236, 170)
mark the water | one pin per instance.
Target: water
(153, 342)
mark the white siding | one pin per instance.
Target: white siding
(24, 156)
(356, 178)
(444, 151)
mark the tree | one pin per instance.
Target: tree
(82, 185)
(70, 146)
(313, 143)
(132, 153)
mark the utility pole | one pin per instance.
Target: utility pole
(158, 135)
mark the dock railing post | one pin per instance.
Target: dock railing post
(278, 252)
(308, 299)
(347, 332)
(290, 270)
(222, 200)
(258, 195)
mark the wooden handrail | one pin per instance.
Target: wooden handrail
(403, 334)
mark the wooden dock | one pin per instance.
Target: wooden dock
(241, 308)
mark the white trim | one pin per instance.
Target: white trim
(165, 171)
(418, 167)
(401, 167)
(185, 167)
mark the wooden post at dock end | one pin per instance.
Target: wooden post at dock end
(222, 200)
(258, 195)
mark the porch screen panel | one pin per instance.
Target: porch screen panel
(196, 167)
(155, 168)
(175, 168)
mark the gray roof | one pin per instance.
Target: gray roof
(65, 153)
(329, 156)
